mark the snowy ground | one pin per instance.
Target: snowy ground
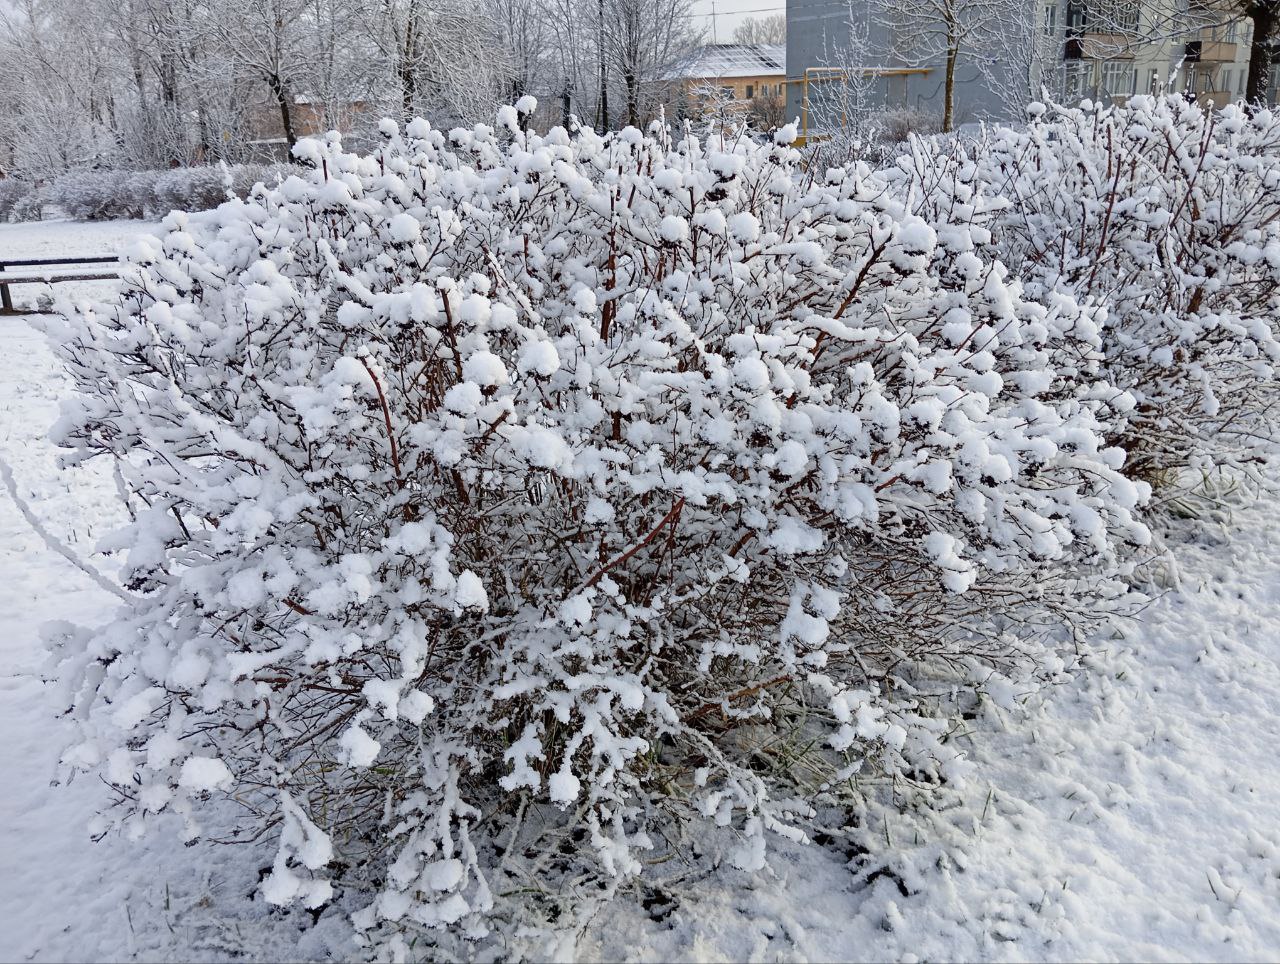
(1132, 814)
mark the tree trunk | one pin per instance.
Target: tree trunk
(604, 77)
(949, 88)
(408, 66)
(1264, 14)
(281, 93)
(633, 99)
(408, 89)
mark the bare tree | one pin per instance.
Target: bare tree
(573, 58)
(267, 40)
(925, 30)
(839, 97)
(642, 40)
(761, 30)
(523, 28)
(446, 57)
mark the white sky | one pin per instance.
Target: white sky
(728, 13)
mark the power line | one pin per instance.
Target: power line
(712, 15)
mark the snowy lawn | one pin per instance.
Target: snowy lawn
(1133, 814)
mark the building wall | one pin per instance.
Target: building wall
(742, 88)
(846, 34)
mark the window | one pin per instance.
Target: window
(1126, 16)
(1117, 78)
(1076, 81)
(1050, 24)
(727, 92)
(751, 91)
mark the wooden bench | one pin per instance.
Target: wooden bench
(50, 271)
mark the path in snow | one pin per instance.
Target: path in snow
(1135, 814)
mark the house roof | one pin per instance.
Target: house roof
(733, 60)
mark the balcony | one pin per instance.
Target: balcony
(1092, 45)
(1207, 50)
(1219, 98)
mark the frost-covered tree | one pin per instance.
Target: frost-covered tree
(761, 30)
(642, 40)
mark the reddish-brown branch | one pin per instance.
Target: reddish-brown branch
(706, 708)
(670, 517)
(300, 610)
(888, 482)
(386, 417)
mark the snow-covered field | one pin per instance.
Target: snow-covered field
(1131, 813)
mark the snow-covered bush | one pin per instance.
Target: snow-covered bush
(191, 188)
(499, 469)
(1167, 217)
(12, 191)
(28, 207)
(245, 176)
(140, 189)
(93, 195)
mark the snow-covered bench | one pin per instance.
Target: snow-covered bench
(51, 271)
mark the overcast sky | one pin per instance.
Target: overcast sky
(728, 13)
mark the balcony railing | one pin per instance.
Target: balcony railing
(1098, 45)
(1210, 47)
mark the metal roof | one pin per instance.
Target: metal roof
(734, 60)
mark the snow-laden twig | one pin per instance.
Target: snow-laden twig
(53, 542)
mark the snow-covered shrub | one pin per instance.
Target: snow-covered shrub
(202, 188)
(12, 191)
(93, 195)
(245, 176)
(140, 188)
(498, 468)
(192, 188)
(29, 207)
(896, 126)
(1166, 216)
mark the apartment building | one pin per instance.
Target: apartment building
(1112, 49)
(843, 52)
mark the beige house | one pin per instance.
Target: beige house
(737, 81)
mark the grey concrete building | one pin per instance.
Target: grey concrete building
(842, 56)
